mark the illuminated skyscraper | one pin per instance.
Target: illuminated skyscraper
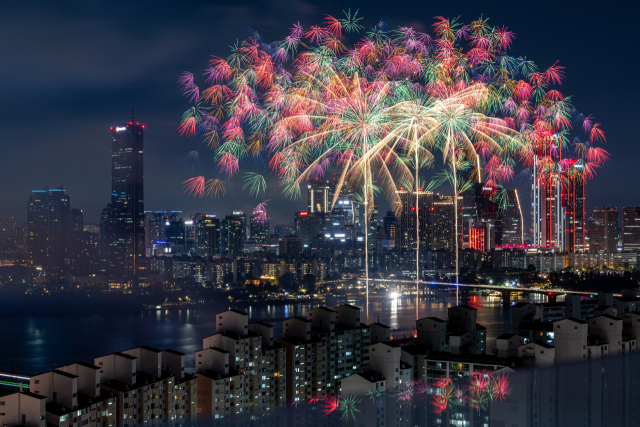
(406, 220)
(320, 194)
(512, 221)
(234, 233)
(443, 225)
(603, 230)
(49, 226)
(558, 209)
(125, 239)
(631, 229)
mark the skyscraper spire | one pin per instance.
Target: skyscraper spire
(132, 115)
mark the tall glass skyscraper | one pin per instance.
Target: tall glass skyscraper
(125, 240)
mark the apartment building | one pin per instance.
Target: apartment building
(146, 393)
(347, 342)
(306, 361)
(23, 408)
(74, 396)
(243, 369)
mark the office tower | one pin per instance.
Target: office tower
(389, 225)
(283, 230)
(310, 224)
(154, 229)
(259, 232)
(10, 233)
(603, 230)
(406, 220)
(512, 221)
(373, 219)
(234, 233)
(208, 237)
(125, 237)
(443, 225)
(558, 209)
(189, 234)
(487, 210)
(320, 194)
(49, 223)
(175, 231)
(290, 244)
(573, 208)
(631, 229)
(469, 214)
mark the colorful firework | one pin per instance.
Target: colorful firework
(215, 188)
(255, 183)
(194, 186)
(260, 215)
(381, 109)
(349, 407)
(331, 402)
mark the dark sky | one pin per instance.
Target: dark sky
(72, 69)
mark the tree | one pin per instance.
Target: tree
(288, 282)
(309, 282)
(531, 268)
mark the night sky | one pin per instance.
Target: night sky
(72, 69)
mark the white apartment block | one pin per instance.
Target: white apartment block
(570, 339)
(306, 360)
(74, 396)
(23, 408)
(347, 342)
(145, 392)
(241, 366)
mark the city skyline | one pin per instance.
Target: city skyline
(83, 153)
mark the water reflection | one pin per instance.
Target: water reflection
(41, 341)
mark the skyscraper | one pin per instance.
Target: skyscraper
(259, 231)
(125, 241)
(320, 193)
(406, 220)
(49, 224)
(234, 233)
(558, 209)
(443, 226)
(603, 230)
(208, 237)
(389, 224)
(512, 221)
(631, 229)
(573, 208)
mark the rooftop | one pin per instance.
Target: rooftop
(371, 376)
(217, 375)
(469, 358)
(507, 336)
(262, 324)
(415, 349)
(237, 311)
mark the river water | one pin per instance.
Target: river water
(32, 343)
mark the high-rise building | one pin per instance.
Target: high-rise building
(234, 233)
(512, 221)
(49, 223)
(208, 237)
(310, 224)
(406, 220)
(389, 225)
(558, 218)
(573, 208)
(125, 238)
(631, 229)
(320, 193)
(259, 230)
(603, 230)
(443, 222)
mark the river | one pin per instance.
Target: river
(32, 343)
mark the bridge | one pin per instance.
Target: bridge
(504, 290)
